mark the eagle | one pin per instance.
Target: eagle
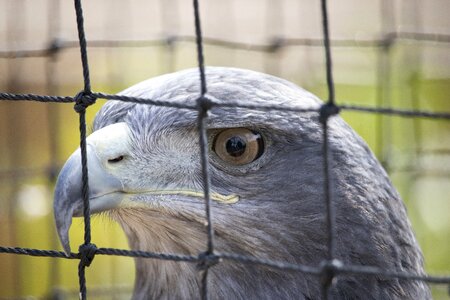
(267, 195)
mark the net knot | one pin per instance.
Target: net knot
(329, 269)
(276, 44)
(55, 46)
(207, 260)
(388, 40)
(204, 103)
(327, 110)
(82, 100)
(171, 40)
(87, 252)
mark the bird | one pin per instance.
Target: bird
(267, 196)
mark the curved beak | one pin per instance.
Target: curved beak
(104, 192)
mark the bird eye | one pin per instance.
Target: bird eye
(238, 146)
(116, 160)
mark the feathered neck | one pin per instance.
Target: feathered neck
(149, 230)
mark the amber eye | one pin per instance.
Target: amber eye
(238, 146)
(116, 159)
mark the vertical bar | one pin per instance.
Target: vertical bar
(82, 41)
(414, 55)
(330, 211)
(274, 29)
(327, 111)
(326, 41)
(117, 66)
(328, 193)
(206, 190)
(203, 110)
(15, 32)
(13, 134)
(414, 80)
(384, 123)
(202, 115)
(170, 24)
(199, 43)
(87, 89)
(82, 113)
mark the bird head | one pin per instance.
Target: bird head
(148, 158)
(266, 181)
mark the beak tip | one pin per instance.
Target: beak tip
(63, 222)
(65, 243)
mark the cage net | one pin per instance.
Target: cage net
(391, 81)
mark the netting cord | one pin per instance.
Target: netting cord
(199, 43)
(405, 113)
(326, 43)
(208, 259)
(82, 42)
(327, 110)
(347, 269)
(390, 38)
(83, 100)
(327, 270)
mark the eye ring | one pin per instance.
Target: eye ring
(116, 159)
(238, 146)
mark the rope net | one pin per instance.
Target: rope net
(329, 268)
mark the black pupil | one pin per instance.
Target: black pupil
(235, 146)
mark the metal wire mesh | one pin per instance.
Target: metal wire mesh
(329, 268)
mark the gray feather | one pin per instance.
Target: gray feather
(281, 212)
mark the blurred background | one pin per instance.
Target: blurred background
(385, 53)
